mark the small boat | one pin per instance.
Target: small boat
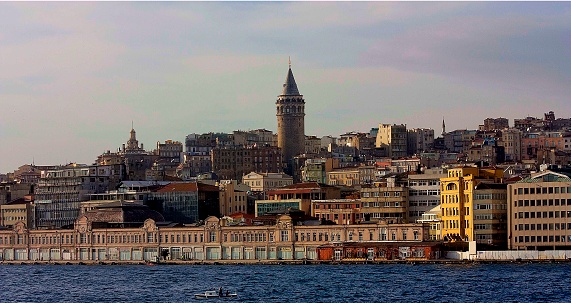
(219, 293)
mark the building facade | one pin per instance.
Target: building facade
(233, 197)
(393, 138)
(490, 215)
(338, 211)
(423, 194)
(59, 191)
(233, 162)
(384, 203)
(419, 140)
(539, 210)
(215, 240)
(457, 200)
(262, 182)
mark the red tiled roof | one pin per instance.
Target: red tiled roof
(304, 185)
(207, 187)
(242, 215)
(513, 179)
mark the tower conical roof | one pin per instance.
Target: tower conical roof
(290, 88)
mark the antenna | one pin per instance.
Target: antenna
(289, 61)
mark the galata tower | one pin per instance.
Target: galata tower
(290, 114)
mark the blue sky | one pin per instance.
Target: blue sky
(74, 75)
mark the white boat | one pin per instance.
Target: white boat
(219, 293)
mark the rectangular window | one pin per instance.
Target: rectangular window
(284, 235)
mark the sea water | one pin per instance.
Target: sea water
(288, 283)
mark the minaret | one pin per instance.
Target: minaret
(290, 115)
(443, 127)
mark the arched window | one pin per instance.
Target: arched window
(451, 186)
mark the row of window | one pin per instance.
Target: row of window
(545, 239)
(334, 206)
(415, 213)
(451, 224)
(151, 237)
(424, 192)
(543, 226)
(454, 211)
(377, 194)
(12, 218)
(493, 196)
(483, 226)
(424, 183)
(424, 203)
(13, 210)
(543, 202)
(542, 190)
(336, 217)
(542, 214)
(383, 204)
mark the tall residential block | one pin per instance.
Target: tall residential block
(419, 140)
(424, 194)
(393, 138)
(539, 210)
(457, 200)
(511, 139)
(490, 215)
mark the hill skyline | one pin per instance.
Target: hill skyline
(76, 75)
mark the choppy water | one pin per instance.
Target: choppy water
(288, 283)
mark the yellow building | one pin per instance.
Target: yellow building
(456, 200)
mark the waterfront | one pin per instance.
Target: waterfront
(293, 283)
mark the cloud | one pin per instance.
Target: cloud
(74, 75)
(486, 51)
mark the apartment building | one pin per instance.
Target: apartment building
(352, 176)
(338, 211)
(511, 140)
(393, 138)
(315, 170)
(419, 140)
(457, 200)
(539, 210)
(494, 124)
(490, 215)
(262, 182)
(312, 145)
(233, 162)
(233, 197)
(18, 210)
(423, 194)
(59, 191)
(384, 203)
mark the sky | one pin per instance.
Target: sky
(74, 76)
